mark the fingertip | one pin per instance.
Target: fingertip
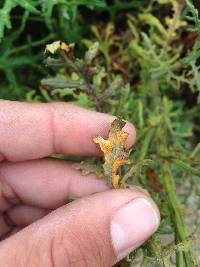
(132, 224)
(130, 129)
(85, 185)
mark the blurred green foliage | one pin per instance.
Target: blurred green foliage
(26, 26)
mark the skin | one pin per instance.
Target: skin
(37, 226)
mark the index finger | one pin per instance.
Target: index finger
(31, 131)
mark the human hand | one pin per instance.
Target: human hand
(96, 230)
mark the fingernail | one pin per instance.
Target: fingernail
(132, 224)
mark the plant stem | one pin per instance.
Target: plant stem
(146, 143)
(156, 249)
(181, 232)
(195, 151)
(184, 258)
(140, 114)
(92, 92)
(84, 75)
(33, 44)
(185, 166)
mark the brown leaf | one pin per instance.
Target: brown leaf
(154, 181)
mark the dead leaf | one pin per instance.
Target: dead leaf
(115, 154)
(153, 179)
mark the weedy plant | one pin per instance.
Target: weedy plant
(27, 25)
(143, 68)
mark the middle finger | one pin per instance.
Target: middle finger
(45, 183)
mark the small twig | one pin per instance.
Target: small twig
(85, 76)
(33, 44)
(92, 92)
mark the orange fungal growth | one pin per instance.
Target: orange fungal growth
(116, 165)
(64, 46)
(115, 154)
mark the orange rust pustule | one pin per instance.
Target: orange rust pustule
(115, 168)
(114, 151)
(64, 47)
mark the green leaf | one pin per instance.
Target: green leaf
(27, 5)
(186, 167)
(87, 168)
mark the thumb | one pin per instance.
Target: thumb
(98, 230)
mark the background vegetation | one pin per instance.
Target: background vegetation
(142, 65)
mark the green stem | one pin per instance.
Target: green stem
(156, 249)
(195, 151)
(187, 167)
(46, 96)
(181, 229)
(80, 71)
(146, 144)
(33, 44)
(180, 259)
(140, 114)
(185, 258)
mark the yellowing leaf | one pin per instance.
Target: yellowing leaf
(115, 154)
